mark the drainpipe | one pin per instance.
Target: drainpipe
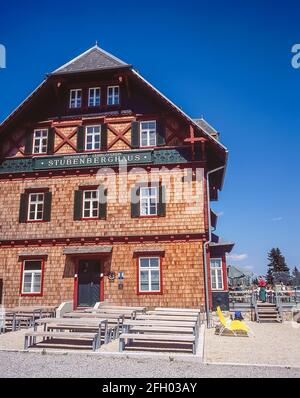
(206, 244)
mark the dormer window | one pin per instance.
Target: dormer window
(92, 138)
(40, 141)
(94, 96)
(75, 98)
(148, 134)
(113, 95)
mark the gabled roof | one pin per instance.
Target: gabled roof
(94, 59)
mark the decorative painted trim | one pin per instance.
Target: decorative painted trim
(37, 164)
(96, 240)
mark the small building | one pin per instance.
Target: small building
(105, 193)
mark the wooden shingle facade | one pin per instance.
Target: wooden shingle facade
(105, 194)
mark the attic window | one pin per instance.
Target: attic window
(75, 98)
(113, 95)
(40, 141)
(94, 96)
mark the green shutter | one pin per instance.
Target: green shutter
(51, 138)
(47, 206)
(103, 204)
(161, 133)
(23, 208)
(135, 134)
(78, 198)
(80, 139)
(162, 202)
(135, 202)
(103, 137)
(28, 142)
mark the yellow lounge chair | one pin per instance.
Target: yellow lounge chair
(232, 326)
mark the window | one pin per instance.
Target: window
(113, 95)
(94, 96)
(148, 201)
(75, 98)
(91, 204)
(92, 138)
(148, 134)
(216, 272)
(40, 141)
(149, 275)
(36, 207)
(32, 277)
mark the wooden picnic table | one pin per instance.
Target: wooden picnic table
(98, 324)
(120, 307)
(160, 323)
(112, 319)
(126, 313)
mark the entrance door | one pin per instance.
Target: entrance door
(88, 283)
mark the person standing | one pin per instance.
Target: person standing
(262, 289)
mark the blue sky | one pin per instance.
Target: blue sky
(229, 61)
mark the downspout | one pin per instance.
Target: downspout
(206, 244)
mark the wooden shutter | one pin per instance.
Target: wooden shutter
(162, 201)
(28, 142)
(103, 205)
(23, 208)
(80, 139)
(51, 138)
(47, 206)
(78, 199)
(135, 134)
(103, 137)
(160, 133)
(135, 202)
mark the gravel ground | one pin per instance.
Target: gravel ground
(16, 364)
(273, 344)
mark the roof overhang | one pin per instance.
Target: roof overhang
(77, 251)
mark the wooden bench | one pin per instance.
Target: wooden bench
(94, 325)
(193, 310)
(192, 318)
(156, 338)
(30, 337)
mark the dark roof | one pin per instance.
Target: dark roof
(218, 243)
(93, 59)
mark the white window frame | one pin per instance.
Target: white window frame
(113, 96)
(149, 269)
(148, 197)
(90, 201)
(36, 203)
(33, 274)
(216, 271)
(93, 138)
(93, 97)
(77, 100)
(148, 131)
(42, 149)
